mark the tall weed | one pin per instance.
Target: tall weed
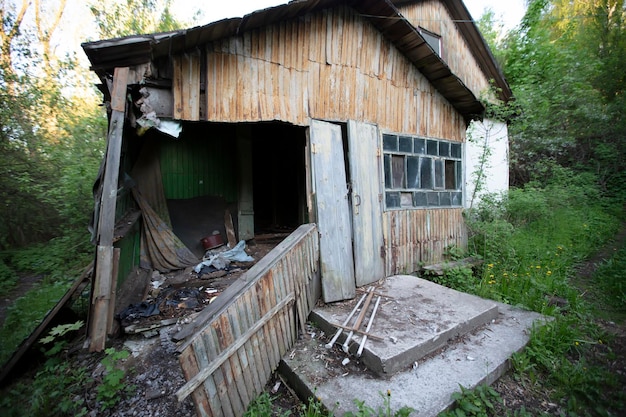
(531, 241)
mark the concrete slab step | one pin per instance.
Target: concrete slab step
(415, 317)
(426, 384)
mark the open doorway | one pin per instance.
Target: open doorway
(279, 177)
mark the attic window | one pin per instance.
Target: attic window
(432, 39)
(421, 172)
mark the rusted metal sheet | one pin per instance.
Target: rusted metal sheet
(237, 343)
(420, 236)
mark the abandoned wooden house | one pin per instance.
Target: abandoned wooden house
(344, 120)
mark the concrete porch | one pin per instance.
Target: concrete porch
(426, 340)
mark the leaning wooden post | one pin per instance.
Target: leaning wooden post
(102, 285)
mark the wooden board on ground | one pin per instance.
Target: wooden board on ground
(34, 336)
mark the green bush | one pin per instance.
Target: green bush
(8, 278)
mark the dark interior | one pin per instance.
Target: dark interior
(278, 177)
(279, 191)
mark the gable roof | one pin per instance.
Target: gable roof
(135, 50)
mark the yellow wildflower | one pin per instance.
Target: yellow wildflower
(549, 273)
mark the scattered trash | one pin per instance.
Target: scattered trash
(222, 259)
(345, 361)
(276, 387)
(393, 339)
(415, 365)
(471, 358)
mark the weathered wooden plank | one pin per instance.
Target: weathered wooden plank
(223, 356)
(240, 358)
(280, 290)
(332, 212)
(249, 357)
(231, 367)
(367, 224)
(112, 325)
(220, 378)
(34, 336)
(261, 341)
(206, 400)
(244, 282)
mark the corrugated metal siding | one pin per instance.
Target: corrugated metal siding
(199, 164)
(332, 65)
(420, 236)
(228, 362)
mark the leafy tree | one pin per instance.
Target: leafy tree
(565, 65)
(131, 17)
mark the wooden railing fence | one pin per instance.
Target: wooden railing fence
(234, 345)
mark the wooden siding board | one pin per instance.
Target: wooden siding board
(210, 387)
(255, 359)
(231, 363)
(332, 212)
(241, 357)
(417, 236)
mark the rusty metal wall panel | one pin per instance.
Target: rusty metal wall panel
(228, 361)
(413, 237)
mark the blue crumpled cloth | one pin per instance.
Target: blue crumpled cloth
(223, 259)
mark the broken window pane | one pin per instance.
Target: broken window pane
(457, 198)
(406, 199)
(451, 175)
(441, 170)
(397, 168)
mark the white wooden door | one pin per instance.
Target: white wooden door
(367, 222)
(333, 211)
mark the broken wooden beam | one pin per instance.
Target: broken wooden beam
(103, 282)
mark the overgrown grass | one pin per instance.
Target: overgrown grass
(60, 262)
(531, 242)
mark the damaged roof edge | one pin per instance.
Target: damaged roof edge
(476, 42)
(104, 55)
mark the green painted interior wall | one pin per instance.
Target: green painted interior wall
(129, 254)
(201, 162)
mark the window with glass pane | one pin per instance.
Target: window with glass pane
(421, 172)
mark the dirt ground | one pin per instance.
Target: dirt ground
(154, 372)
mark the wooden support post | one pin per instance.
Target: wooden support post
(103, 282)
(230, 229)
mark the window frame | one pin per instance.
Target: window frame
(430, 37)
(432, 172)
